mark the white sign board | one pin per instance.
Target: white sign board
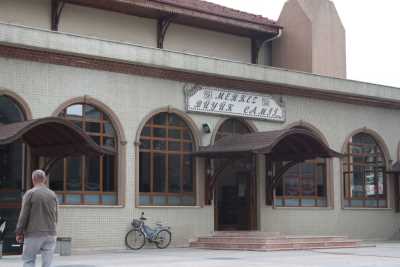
(233, 103)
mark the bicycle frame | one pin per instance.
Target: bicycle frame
(150, 233)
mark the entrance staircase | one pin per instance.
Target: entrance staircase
(262, 241)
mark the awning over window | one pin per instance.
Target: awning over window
(51, 137)
(285, 145)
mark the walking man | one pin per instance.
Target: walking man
(36, 225)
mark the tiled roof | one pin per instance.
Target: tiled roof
(51, 137)
(218, 10)
(285, 144)
(196, 13)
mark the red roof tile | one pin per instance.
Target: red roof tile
(196, 13)
(218, 10)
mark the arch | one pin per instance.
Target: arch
(106, 109)
(313, 141)
(188, 120)
(272, 143)
(377, 138)
(243, 169)
(22, 104)
(249, 124)
(328, 161)
(14, 163)
(195, 132)
(28, 131)
(310, 127)
(120, 136)
(347, 199)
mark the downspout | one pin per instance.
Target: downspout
(272, 39)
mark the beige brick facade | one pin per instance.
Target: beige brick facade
(48, 70)
(45, 87)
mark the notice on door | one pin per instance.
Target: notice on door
(233, 103)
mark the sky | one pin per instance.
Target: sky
(372, 35)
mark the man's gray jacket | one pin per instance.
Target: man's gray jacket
(38, 212)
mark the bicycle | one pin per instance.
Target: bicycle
(136, 237)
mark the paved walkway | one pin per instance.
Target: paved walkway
(383, 255)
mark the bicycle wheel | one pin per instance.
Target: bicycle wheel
(163, 239)
(134, 239)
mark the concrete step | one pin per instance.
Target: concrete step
(277, 246)
(245, 233)
(264, 240)
(254, 240)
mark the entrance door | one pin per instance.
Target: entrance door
(10, 193)
(235, 193)
(235, 200)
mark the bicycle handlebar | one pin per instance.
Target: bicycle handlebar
(142, 217)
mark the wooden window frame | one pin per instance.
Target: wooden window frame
(23, 114)
(236, 124)
(348, 165)
(184, 128)
(300, 196)
(104, 118)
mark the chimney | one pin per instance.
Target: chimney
(313, 39)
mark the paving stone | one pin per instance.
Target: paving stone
(383, 255)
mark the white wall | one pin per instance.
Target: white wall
(33, 13)
(208, 43)
(125, 28)
(108, 25)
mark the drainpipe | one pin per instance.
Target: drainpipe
(272, 39)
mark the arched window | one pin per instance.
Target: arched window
(166, 168)
(303, 185)
(364, 172)
(232, 126)
(11, 172)
(10, 111)
(88, 180)
(11, 159)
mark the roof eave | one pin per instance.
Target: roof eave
(186, 16)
